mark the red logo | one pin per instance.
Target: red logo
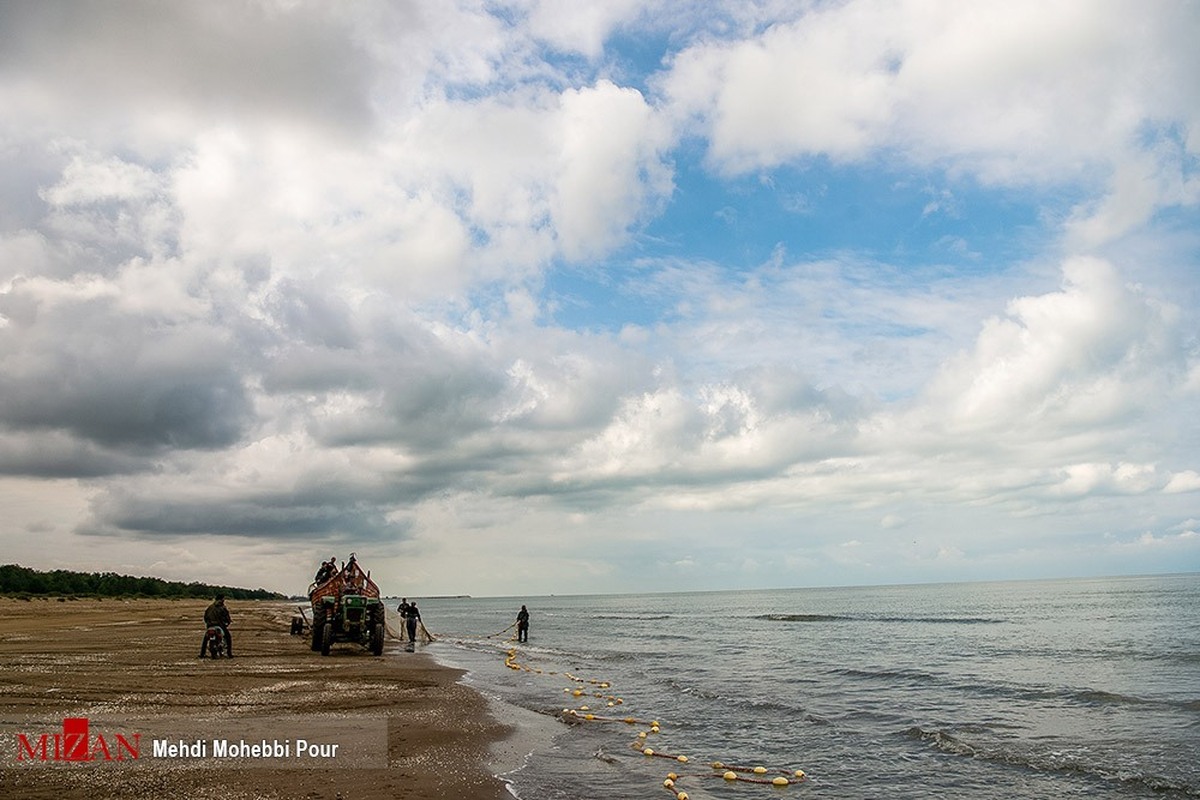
(76, 743)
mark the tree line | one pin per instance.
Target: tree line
(15, 579)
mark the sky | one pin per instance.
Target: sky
(527, 296)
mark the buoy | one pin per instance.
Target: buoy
(730, 776)
(799, 773)
(760, 770)
(672, 776)
(641, 734)
(681, 796)
(589, 716)
(647, 752)
(780, 781)
(717, 765)
(654, 729)
(668, 783)
(681, 759)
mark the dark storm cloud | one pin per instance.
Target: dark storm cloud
(26, 167)
(418, 388)
(428, 401)
(313, 315)
(120, 381)
(55, 454)
(291, 517)
(223, 57)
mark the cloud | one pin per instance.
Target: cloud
(570, 27)
(1186, 481)
(65, 60)
(77, 364)
(495, 285)
(1024, 95)
(1094, 353)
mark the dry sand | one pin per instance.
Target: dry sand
(136, 659)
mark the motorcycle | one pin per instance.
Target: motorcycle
(214, 641)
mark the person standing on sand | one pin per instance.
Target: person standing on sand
(217, 614)
(411, 618)
(523, 625)
(402, 609)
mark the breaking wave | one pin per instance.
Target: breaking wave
(1050, 761)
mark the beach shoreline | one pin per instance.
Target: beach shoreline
(136, 660)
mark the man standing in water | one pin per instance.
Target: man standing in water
(523, 625)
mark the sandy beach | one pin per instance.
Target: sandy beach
(137, 660)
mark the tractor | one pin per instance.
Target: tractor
(346, 608)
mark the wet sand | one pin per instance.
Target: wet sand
(136, 659)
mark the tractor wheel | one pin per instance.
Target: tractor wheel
(326, 638)
(318, 628)
(377, 639)
(215, 647)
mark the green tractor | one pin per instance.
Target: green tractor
(346, 608)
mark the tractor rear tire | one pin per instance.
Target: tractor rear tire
(326, 638)
(377, 639)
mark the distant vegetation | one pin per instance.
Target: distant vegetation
(18, 580)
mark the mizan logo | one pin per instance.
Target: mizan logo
(76, 743)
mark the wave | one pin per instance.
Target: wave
(1050, 761)
(1099, 697)
(875, 618)
(889, 674)
(946, 742)
(1085, 696)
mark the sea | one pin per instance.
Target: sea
(1034, 689)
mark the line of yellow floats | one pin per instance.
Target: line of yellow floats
(584, 713)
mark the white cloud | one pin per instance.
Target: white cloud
(581, 28)
(1092, 354)
(610, 167)
(1186, 481)
(1019, 94)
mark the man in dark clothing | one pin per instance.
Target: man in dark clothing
(403, 610)
(328, 570)
(217, 614)
(523, 625)
(411, 618)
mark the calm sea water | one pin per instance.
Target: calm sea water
(1076, 688)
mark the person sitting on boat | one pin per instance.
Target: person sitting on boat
(326, 571)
